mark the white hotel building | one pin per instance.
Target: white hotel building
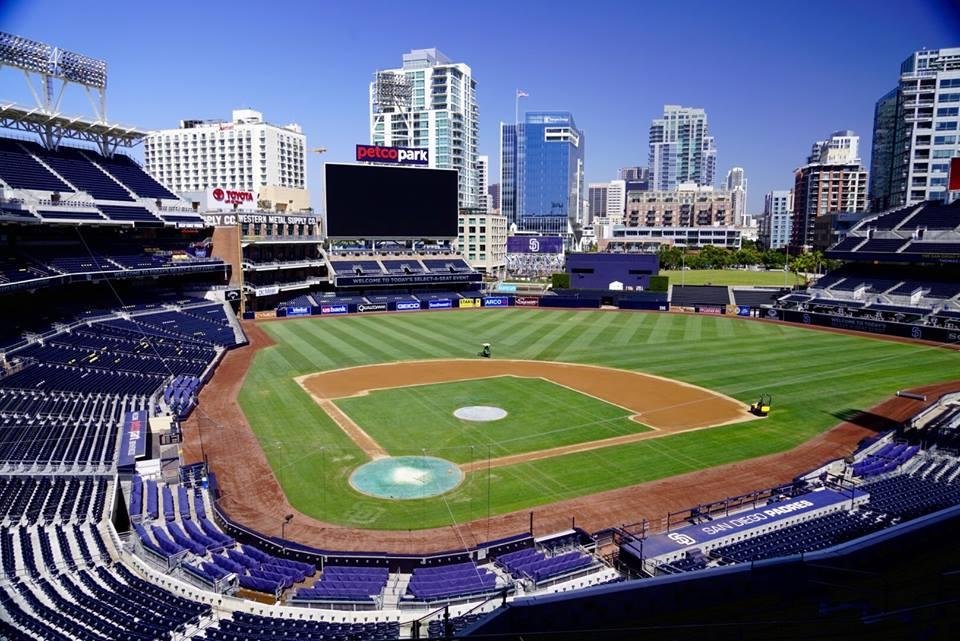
(430, 103)
(244, 154)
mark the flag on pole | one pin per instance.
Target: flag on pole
(522, 94)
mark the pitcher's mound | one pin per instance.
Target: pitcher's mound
(480, 413)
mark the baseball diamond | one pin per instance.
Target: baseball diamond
(723, 362)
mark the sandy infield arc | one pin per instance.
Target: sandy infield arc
(665, 405)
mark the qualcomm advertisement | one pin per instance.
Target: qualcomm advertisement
(440, 303)
(534, 245)
(496, 301)
(408, 306)
(372, 307)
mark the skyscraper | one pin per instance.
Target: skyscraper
(833, 180)
(483, 181)
(737, 186)
(541, 170)
(915, 130)
(681, 149)
(597, 199)
(633, 173)
(430, 102)
(775, 224)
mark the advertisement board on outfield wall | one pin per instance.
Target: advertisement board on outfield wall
(408, 306)
(469, 302)
(298, 311)
(440, 303)
(526, 301)
(333, 309)
(496, 301)
(372, 307)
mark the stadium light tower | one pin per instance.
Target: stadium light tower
(49, 70)
(391, 93)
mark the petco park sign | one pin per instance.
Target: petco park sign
(393, 155)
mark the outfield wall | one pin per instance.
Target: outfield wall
(884, 328)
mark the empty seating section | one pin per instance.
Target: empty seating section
(357, 267)
(936, 216)
(410, 266)
(907, 496)
(244, 626)
(130, 174)
(450, 582)
(809, 536)
(344, 583)
(81, 173)
(928, 247)
(20, 170)
(128, 213)
(887, 459)
(693, 295)
(300, 301)
(882, 245)
(446, 266)
(64, 403)
(756, 297)
(849, 243)
(536, 565)
(69, 214)
(891, 219)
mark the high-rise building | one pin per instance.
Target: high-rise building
(775, 224)
(916, 131)
(689, 205)
(737, 186)
(493, 198)
(596, 200)
(633, 173)
(430, 102)
(243, 154)
(681, 149)
(833, 180)
(881, 156)
(616, 201)
(483, 176)
(541, 171)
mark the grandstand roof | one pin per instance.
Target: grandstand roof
(39, 121)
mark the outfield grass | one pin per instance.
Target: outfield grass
(540, 415)
(732, 277)
(815, 378)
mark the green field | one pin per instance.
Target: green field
(540, 415)
(732, 277)
(816, 378)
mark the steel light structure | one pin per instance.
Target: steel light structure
(48, 71)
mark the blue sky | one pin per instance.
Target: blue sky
(773, 76)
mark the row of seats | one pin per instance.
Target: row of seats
(449, 582)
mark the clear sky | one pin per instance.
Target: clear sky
(773, 76)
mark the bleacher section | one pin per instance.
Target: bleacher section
(695, 295)
(116, 189)
(344, 583)
(450, 582)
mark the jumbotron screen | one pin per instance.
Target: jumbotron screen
(371, 201)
